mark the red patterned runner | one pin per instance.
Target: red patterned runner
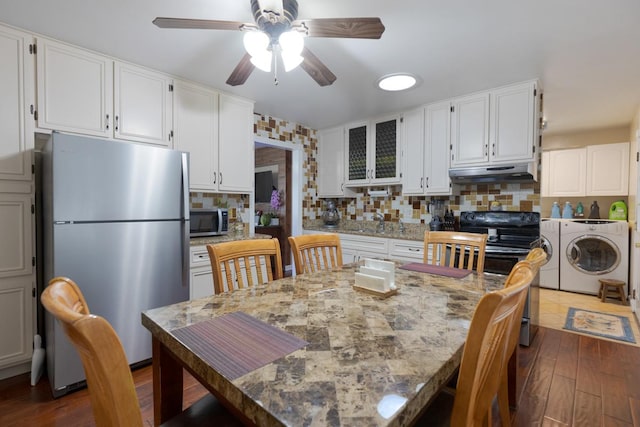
(235, 344)
(440, 270)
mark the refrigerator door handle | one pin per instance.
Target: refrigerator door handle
(186, 229)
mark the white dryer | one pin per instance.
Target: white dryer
(592, 250)
(550, 242)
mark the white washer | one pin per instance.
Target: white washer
(592, 250)
(550, 242)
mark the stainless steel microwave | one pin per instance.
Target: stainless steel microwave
(209, 222)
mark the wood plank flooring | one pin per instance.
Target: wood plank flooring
(565, 379)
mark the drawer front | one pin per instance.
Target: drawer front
(406, 249)
(199, 256)
(366, 244)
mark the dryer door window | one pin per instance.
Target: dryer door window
(593, 254)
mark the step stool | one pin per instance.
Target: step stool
(612, 288)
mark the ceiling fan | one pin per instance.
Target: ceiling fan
(277, 30)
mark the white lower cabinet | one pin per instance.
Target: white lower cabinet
(201, 284)
(356, 248)
(17, 281)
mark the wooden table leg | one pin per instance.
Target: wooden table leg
(167, 384)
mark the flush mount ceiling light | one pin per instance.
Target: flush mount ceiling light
(396, 82)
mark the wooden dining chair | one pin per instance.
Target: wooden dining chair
(315, 252)
(455, 249)
(496, 316)
(536, 257)
(111, 388)
(244, 263)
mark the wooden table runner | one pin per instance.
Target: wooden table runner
(440, 270)
(236, 343)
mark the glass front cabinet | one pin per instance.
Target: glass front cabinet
(373, 152)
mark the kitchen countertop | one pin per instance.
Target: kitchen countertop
(230, 237)
(368, 228)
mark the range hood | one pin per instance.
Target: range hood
(518, 172)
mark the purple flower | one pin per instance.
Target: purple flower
(276, 200)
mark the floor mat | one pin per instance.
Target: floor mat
(599, 324)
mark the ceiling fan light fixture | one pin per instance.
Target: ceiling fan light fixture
(291, 61)
(262, 61)
(397, 82)
(256, 43)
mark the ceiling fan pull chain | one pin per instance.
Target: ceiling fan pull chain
(275, 71)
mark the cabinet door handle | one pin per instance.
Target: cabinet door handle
(421, 182)
(116, 123)
(414, 249)
(427, 182)
(220, 178)
(215, 176)
(107, 121)
(493, 149)
(486, 150)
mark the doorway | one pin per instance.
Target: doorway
(291, 186)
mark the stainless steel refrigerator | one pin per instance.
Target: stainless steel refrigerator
(115, 219)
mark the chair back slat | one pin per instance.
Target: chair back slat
(316, 252)
(455, 249)
(244, 263)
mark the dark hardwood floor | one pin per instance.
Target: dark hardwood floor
(565, 379)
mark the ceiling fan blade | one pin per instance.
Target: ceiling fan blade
(201, 24)
(316, 69)
(242, 71)
(359, 28)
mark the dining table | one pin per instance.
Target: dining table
(312, 350)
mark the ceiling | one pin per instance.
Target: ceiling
(586, 53)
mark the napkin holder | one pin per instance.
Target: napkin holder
(376, 277)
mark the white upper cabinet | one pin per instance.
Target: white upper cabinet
(217, 131)
(75, 89)
(83, 92)
(436, 139)
(16, 122)
(195, 118)
(608, 169)
(413, 153)
(426, 139)
(142, 105)
(513, 117)
(545, 180)
(494, 127)
(373, 151)
(596, 170)
(236, 151)
(567, 172)
(470, 130)
(331, 157)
